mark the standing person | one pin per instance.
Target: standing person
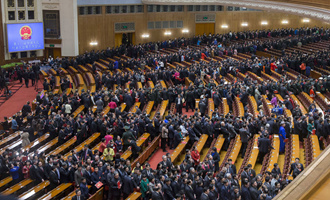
(144, 187)
(164, 136)
(216, 159)
(178, 103)
(25, 139)
(195, 155)
(14, 171)
(244, 133)
(99, 105)
(78, 195)
(26, 78)
(264, 146)
(282, 135)
(108, 153)
(127, 135)
(14, 125)
(115, 187)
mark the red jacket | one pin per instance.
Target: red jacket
(195, 156)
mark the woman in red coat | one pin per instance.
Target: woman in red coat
(195, 155)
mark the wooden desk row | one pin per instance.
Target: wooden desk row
(210, 107)
(236, 149)
(35, 190)
(163, 107)
(301, 106)
(78, 110)
(149, 106)
(274, 152)
(142, 139)
(201, 142)
(254, 106)
(147, 152)
(225, 106)
(179, 149)
(315, 146)
(55, 192)
(255, 151)
(63, 147)
(89, 141)
(163, 84)
(72, 194)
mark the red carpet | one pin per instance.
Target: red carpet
(16, 102)
(157, 156)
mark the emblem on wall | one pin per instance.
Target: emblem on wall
(25, 33)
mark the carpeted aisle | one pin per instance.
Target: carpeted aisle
(157, 156)
(16, 102)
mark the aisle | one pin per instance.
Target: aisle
(18, 100)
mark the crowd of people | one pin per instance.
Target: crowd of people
(194, 178)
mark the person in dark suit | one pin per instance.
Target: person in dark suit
(189, 192)
(128, 186)
(264, 146)
(216, 159)
(205, 194)
(168, 192)
(179, 104)
(202, 107)
(78, 195)
(297, 170)
(157, 193)
(86, 153)
(245, 190)
(134, 148)
(245, 135)
(254, 190)
(64, 173)
(232, 166)
(84, 188)
(53, 178)
(294, 166)
(26, 109)
(225, 191)
(115, 185)
(177, 138)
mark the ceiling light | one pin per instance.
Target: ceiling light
(93, 43)
(185, 31)
(306, 20)
(168, 33)
(264, 23)
(285, 22)
(244, 24)
(224, 26)
(145, 35)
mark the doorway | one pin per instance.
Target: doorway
(206, 28)
(124, 38)
(53, 52)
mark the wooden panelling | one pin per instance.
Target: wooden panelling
(316, 3)
(100, 28)
(53, 41)
(202, 28)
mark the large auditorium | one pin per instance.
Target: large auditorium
(164, 99)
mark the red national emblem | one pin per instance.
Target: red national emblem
(25, 33)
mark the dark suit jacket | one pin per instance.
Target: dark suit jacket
(168, 192)
(225, 193)
(204, 197)
(189, 192)
(53, 179)
(264, 145)
(157, 196)
(75, 198)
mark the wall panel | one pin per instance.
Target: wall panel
(100, 28)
